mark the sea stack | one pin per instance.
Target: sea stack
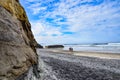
(17, 43)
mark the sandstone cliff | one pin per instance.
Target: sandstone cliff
(17, 51)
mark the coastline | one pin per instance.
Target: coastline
(105, 55)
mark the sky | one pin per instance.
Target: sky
(74, 21)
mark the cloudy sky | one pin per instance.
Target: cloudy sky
(74, 21)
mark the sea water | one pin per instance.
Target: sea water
(108, 47)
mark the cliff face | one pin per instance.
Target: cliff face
(17, 51)
(17, 11)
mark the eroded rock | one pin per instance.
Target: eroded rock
(17, 43)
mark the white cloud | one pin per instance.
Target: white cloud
(83, 16)
(44, 33)
(78, 18)
(36, 8)
(37, 28)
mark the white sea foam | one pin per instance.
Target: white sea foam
(110, 47)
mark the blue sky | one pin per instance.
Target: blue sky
(74, 21)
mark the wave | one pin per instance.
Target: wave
(110, 47)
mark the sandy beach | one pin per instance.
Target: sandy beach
(87, 53)
(81, 65)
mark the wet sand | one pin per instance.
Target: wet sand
(88, 54)
(87, 66)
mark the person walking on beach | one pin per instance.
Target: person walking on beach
(71, 49)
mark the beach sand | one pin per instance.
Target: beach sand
(105, 55)
(81, 65)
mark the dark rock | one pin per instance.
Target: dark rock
(54, 46)
(39, 46)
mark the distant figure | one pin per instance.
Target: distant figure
(71, 49)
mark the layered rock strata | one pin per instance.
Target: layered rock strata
(17, 43)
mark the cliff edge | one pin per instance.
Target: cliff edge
(17, 43)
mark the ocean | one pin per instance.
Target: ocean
(96, 47)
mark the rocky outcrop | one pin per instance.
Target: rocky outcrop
(38, 46)
(54, 46)
(17, 43)
(17, 11)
